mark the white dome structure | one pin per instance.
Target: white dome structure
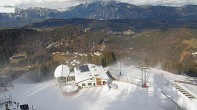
(62, 71)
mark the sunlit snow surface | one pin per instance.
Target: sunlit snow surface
(48, 96)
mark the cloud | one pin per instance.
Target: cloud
(69, 3)
(46, 3)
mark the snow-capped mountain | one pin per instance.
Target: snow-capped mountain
(119, 10)
(25, 16)
(100, 10)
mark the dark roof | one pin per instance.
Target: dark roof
(84, 68)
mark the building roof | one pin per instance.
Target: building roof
(88, 71)
(62, 71)
(84, 68)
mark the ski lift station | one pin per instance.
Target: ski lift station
(87, 75)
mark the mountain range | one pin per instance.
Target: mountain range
(116, 25)
(101, 11)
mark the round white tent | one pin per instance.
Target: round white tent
(62, 71)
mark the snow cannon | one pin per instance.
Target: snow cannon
(146, 85)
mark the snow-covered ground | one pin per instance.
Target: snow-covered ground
(161, 81)
(48, 96)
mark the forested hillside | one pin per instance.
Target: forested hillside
(174, 49)
(40, 51)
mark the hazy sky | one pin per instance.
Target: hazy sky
(69, 3)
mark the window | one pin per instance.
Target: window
(61, 79)
(89, 84)
(83, 84)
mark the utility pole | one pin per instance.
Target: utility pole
(120, 67)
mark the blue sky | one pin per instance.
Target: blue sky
(68, 3)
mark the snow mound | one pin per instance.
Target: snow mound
(69, 89)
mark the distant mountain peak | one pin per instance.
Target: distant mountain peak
(102, 2)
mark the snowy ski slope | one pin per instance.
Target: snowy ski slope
(48, 96)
